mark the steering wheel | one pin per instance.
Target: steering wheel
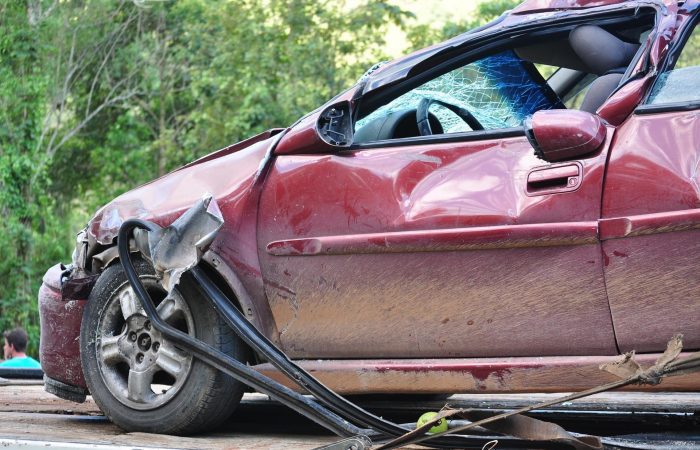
(423, 121)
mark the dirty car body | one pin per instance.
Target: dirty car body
(455, 222)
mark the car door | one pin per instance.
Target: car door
(461, 244)
(651, 209)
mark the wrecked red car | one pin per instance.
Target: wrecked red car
(454, 222)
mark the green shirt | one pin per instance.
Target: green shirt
(24, 363)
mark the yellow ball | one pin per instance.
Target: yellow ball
(427, 417)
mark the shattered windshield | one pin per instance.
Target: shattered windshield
(500, 90)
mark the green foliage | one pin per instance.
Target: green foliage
(21, 198)
(99, 96)
(690, 56)
(423, 35)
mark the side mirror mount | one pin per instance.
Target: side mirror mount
(319, 132)
(564, 134)
(335, 125)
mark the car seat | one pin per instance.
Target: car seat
(604, 55)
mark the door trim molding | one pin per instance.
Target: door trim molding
(454, 239)
(490, 237)
(645, 224)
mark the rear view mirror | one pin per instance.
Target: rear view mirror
(564, 134)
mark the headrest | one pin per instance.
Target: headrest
(600, 50)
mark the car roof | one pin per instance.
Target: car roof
(528, 11)
(530, 6)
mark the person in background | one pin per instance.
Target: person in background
(15, 345)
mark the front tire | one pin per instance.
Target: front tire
(140, 380)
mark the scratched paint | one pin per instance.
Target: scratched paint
(474, 375)
(385, 230)
(652, 185)
(59, 346)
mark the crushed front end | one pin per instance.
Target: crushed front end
(62, 298)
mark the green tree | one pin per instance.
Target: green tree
(99, 96)
(285, 59)
(422, 35)
(23, 201)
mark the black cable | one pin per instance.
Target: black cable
(220, 360)
(329, 398)
(333, 407)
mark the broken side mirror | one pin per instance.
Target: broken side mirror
(335, 125)
(564, 134)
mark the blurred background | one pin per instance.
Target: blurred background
(97, 97)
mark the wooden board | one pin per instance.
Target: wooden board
(29, 413)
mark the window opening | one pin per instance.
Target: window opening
(500, 90)
(681, 83)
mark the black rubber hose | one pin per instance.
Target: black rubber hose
(329, 398)
(220, 360)
(258, 342)
(339, 406)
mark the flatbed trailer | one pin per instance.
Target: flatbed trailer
(32, 418)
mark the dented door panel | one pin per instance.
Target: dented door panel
(652, 246)
(432, 251)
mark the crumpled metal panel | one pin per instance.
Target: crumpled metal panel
(424, 303)
(177, 248)
(233, 179)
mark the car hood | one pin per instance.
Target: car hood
(225, 174)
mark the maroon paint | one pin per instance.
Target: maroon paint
(474, 375)
(653, 284)
(530, 6)
(59, 347)
(652, 187)
(429, 195)
(235, 147)
(650, 222)
(653, 167)
(447, 303)
(554, 179)
(233, 180)
(567, 134)
(304, 138)
(621, 104)
(473, 238)
(643, 224)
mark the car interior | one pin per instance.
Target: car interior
(578, 68)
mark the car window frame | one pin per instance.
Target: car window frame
(528, 69)
(483, 46)
(692, 24)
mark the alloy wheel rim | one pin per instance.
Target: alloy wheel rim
(139, 367)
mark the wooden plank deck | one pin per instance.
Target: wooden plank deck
(27, 413)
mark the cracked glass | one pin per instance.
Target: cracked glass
(500, 91)
(682, 83)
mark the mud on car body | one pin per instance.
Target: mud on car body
(455, 222)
